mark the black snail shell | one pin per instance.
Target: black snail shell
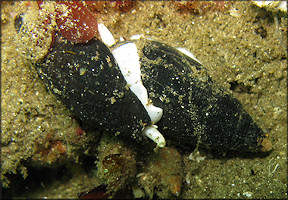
(195, 109)
(88, 79)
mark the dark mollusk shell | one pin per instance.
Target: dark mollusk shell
(195, 110)
(89, 82)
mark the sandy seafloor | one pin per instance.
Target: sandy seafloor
(251, 66)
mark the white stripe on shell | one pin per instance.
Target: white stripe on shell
(128, 60)
(106, 35)
(188, 53)
(152, 133)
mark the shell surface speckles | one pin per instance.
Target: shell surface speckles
(91, 85)
(195, 110)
